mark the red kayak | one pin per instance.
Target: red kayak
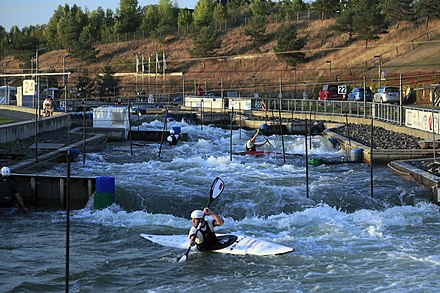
(264, 153)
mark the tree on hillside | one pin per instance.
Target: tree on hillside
(205, 39)
(238, 9)
(368, 23)
(84, 85)
(150, 21)
(96, 23)
(203, 13)
(344, 22)
(427, 9)
(297, 7)
(289, 45)
(108, 29)
(4, 40)
(50, 80)
(220, 15)
(282, 10)
(51, 31)
(24, 43)
(257, 24)
(205, 42)
(327, 8)
(167, 20)
(184, 20)
(84, 49)
(128, 16)
(65, 27)
(396, 11)
(106, 84)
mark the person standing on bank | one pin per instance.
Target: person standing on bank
(205, 238)
(251, 145)
(9, 195)
(47, 106)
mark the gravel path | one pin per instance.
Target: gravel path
(382, 139)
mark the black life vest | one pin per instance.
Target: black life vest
(210, 241)
(7, 193)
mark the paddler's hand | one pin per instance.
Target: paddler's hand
(206, 211)
(191, 240)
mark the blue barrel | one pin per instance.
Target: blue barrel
(176, 129)
(74, 153)
(357, 155)
(105, 184)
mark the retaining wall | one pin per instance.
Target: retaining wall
(21, 130)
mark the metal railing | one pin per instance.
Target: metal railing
(386, 112)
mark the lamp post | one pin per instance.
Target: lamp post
(294, 82)
(380, 68)
(6, 83)
(65, 82)
(330, 68)
(37, 80)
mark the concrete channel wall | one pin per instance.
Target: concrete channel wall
(21, 130)
(50, 191)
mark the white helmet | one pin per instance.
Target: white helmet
(197, 214)
(6, 171)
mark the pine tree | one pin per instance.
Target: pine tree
(396, 11)
(106, 84)
(167, 21)
(289, 45)
(128, 16)
(344, 22)
(184, 20)
(205, 42)
(427, 9)
(257, 25)
(368, 23)
(150, 21)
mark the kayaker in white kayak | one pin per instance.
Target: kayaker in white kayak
(251, 145)
(205, 238)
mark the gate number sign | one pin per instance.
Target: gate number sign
(342, 89)
(28, 87)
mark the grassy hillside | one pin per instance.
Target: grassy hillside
(408, 50)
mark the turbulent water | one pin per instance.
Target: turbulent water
(344, 239)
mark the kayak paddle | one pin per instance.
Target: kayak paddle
(217, 187)
(269, 142)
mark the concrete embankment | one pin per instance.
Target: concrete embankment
(24, 129)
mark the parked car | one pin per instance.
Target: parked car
(387, 94)
(357, 94)
(330, 92)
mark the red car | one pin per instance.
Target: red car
(330, 92)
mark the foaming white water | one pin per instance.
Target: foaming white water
(340, 232)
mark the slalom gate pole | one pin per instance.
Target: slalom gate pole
(307, 159)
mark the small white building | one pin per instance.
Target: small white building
(111, 117)
(211, 102)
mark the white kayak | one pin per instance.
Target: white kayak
(232, 244)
